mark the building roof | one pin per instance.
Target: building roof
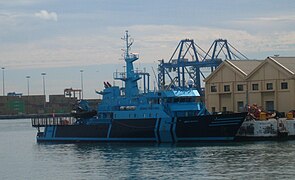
(287, 63)
(248, 67)
(245, 66)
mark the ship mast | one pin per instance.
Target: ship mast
(131, 77)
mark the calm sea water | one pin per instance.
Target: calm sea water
(22, 158)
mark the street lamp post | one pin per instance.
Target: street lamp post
(3, 87)
(81, 71)
(28, 86)
(43, 78)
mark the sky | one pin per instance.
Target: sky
(61, 38)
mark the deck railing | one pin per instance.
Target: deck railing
(50, 121)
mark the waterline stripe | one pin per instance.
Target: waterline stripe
(206, 139)
(228, 118)
(223, 124)
(96, 139)
(229, 121)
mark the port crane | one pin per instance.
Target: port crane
(189, 63)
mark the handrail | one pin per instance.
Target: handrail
(50, 121)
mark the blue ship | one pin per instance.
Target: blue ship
(174, 114)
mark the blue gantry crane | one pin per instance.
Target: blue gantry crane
(189, 62)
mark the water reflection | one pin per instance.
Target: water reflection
(141, 160)
(23, 158)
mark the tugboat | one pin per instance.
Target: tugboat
(172, 115)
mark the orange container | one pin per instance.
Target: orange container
(262, 116)
(290, 116)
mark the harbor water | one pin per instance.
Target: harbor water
(23, 158)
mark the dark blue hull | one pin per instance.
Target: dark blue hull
(181, 129)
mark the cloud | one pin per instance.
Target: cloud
(267, 24)
(290, 18)
(43, 14)
(152, 42)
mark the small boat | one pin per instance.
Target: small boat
(174, 114)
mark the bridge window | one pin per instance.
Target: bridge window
(154, 101)
(183, 99)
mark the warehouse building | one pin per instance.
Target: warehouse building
(269, 83)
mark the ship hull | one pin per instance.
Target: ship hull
(180, 129)
(221, 127)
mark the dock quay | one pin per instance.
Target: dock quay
(269, 129)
